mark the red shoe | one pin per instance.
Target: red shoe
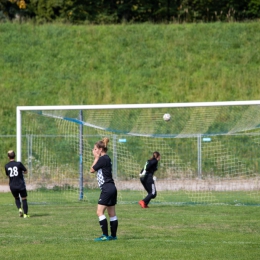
(142, 204)
(146, 206)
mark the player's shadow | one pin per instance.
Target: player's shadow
(39, 215)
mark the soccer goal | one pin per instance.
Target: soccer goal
(210, 151)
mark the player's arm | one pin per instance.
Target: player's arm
(92, 170)
(24, 170)
(95, 167)
(6, 172)
(143, 171)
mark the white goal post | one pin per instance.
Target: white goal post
(206, 147)
(122, 106)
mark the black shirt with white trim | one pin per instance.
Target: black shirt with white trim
(103, 167)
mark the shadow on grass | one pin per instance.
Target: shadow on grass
(39, 215)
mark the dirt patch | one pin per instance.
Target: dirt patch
(4, 188)
(171, 185)
(195, 185)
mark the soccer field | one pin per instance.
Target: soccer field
(66, 231)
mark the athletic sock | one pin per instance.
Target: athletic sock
(18, 203)
(25, 206)
(103, 224)
(113, 226)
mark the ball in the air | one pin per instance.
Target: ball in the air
(166, 117)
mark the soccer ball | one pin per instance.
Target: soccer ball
(166, 117)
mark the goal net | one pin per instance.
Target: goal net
(210, 152)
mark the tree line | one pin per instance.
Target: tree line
(139, 11)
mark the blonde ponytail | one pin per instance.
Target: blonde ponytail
(105, 140)
(103, 144)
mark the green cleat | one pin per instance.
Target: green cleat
(20, 213)
(26, 216)
(102, 238)
(112, 238)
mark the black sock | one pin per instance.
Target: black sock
(25, 206)
(103, 225)
(18, 203)
(113, 227)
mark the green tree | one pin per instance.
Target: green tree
(254, 9)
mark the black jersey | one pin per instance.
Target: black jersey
(103, 167)
(151, 166)
(14, 170)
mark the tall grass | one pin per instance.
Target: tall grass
(65, 65)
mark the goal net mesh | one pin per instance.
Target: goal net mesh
(208, 154)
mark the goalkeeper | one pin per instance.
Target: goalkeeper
(147, 180)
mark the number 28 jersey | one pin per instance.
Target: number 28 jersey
(14, 170)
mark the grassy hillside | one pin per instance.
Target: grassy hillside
(66, 65)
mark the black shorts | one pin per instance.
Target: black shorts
(15, 192)
(108, 195)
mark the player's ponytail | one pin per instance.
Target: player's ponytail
(105, 140)
(103, 144)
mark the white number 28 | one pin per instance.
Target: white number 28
(13, 171)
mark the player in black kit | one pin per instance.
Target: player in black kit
(15, 170)
(108, 197)
(146, 178)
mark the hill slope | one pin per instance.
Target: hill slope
(67, 65)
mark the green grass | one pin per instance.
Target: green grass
(160, 232)
(71, 65)
(181, 197)
(57, 64)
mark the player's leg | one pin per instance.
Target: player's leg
(102, 219)
(102, 222)
(113, 222)
(151, 189)
(145, 183)
(101, 207)
(25, 207)
(23, 195)
(18, 203)
(111, 210)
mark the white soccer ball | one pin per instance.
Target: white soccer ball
(166, 117)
